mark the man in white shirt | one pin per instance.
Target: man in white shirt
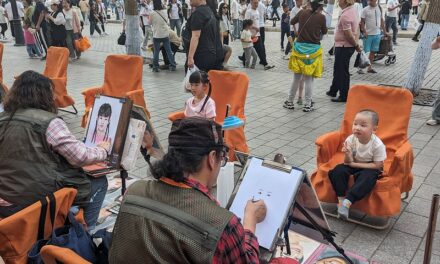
(371, 24)
(391, 18)
(295, 10)
(146, 9)
(235, 14)
(10, 16)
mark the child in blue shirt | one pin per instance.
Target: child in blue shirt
(285, 24)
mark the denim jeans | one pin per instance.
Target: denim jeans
(166, 44)
(237, 28)
(32, 50)
(93, 27)
(391, 23)
(148, 35)
(405, 19)
(176, 24)
(97, 195)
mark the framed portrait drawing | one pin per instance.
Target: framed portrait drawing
(109, 121)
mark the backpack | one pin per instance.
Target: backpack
(186, 37)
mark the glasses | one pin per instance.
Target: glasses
(224, 156)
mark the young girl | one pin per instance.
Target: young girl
(200, 104)
(248, 46)
(29, 40)
(102, 125)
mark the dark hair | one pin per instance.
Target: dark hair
(220, 11)
(201, 77)
(373, 114)
(177, 163)
(69, 2)
(315, 6)
(105, 110)
(157, 5)
(213, 5)
(247, 23)
(285, 5)
(30, 90)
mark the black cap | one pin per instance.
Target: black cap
(195, 132)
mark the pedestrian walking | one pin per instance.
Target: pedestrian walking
(175, 15)
(421, 17)
(3, 23)
(225, 24)
(85, 10)
(145, 12)
(93, 18)
(246, 40)
(405, 11)
(346, 42)
(73, 29)
(435, 119)
(391, 18)
(235, 16)
(275, 4)
(57, 23)
(101, 11)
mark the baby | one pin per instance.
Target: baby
(364, 157)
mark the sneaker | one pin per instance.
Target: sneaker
(308, 108)
(300, 101)
(432, 122)
(395, 44)
(172, 68)
(286, 57)
(343, 212)
(288, 105)
(155, 70)
(252, 67)
(105, 34)
(360, 71)
(282, 49)
(268, 67)
(144, 48)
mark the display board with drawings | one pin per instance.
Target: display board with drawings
(108, 121)
(277, 187)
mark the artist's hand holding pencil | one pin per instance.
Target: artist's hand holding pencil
(106, 144)
(254, 213)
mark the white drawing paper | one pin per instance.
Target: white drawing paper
(277, 188)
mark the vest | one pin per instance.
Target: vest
(161, 223)
(29, 169)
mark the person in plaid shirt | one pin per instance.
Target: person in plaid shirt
(32, 90)
(188, 171)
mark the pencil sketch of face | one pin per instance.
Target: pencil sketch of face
(263, 193)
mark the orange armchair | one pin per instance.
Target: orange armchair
(56, 69)
(227, 88)
(54, 255)
(19, 232)
(122, 78)
(397, 178)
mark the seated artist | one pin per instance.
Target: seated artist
(38, 153)
(184, 176)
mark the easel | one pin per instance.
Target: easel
(327, 235)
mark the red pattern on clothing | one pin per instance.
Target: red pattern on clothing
(236, 244)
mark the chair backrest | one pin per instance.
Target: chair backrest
(393, 105)
(57, 60)
(123, 73)
(19, 231)
(229, 88)
(1, 62)
(54, 255)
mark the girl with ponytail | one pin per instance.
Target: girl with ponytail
(201, 104)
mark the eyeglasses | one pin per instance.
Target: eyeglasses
(224, 156)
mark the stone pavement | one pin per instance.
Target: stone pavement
(272, 129)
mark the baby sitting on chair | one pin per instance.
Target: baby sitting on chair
(364, 157)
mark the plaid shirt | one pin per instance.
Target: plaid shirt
(236, 244)
(63, 142)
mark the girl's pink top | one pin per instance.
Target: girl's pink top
(194, 109)
(28, 37)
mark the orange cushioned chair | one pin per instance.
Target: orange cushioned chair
(56, 69)
(54, 255)
(122, 78)
(393, 106)
(227, 88)
(19, 232)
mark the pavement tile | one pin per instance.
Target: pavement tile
(419, 257)
(412, 224)
(387, 258)
(400, 244)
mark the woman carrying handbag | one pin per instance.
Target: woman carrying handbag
(73, 29)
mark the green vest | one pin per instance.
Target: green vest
(161, 223)
(29, 168)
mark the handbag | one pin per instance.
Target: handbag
(72, 236)
(362, 61)
(122, 38)
(82, 43)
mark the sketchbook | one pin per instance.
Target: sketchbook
(277, 187)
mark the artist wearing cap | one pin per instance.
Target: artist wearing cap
(175, 219)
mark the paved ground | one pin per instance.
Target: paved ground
(272, 129)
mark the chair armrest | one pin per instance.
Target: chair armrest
(137, 96)
(176, 115)
(89, 95)
(402, 161)
(327, 145)
(53, 254)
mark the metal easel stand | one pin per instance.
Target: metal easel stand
(358, 218)
(431, 228)
(74, 112)
(124, 173)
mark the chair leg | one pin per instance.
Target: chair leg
(379, 223)
(70, 112)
